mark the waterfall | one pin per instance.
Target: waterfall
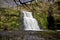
(30, 23)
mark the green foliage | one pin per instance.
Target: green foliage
(42, 19)
(9, 19)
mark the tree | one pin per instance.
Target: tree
(50, 19)
(22, 3)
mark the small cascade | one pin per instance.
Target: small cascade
(29, 22)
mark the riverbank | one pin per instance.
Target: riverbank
(19, 35)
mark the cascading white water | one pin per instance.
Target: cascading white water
(30, 23)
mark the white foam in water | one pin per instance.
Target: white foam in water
(30, 23)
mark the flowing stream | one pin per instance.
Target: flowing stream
(33, 36)
(29, 22)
